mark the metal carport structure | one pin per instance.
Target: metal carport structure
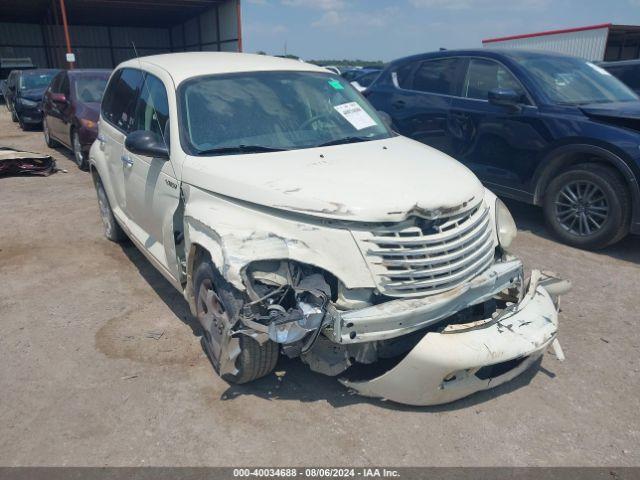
(102, 32)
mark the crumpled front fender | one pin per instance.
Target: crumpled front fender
(462, 360)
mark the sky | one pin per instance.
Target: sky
(387, 29)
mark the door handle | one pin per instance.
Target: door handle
(398, 104)
(127, 161)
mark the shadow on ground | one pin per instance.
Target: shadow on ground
(293, 380)
(530, 218)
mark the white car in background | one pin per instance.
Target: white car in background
(295, 222)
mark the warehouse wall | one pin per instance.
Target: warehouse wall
(588, 44)
(104, 47)
(214, 30)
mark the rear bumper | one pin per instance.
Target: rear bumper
(464, 359)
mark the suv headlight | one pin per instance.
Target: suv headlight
(505, 225)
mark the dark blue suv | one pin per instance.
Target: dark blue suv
(547, 129)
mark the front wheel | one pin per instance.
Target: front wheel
(237, 358)
(112, 230)
(78, 155)
(47, 134)
(588, 206)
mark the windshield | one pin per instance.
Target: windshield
(274, 111)
(30, 81)
(571, 81)
(89, 89)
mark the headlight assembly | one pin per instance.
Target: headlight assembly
(505, 225)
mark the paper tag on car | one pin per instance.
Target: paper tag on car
(355, 115)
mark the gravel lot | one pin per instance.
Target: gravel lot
(101, 362)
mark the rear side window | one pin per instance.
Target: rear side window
(485, 75)
(629, 74)
(436, 76)
(403, 75)
(152, 112)
(120, 98)
(64, 85)
(55, 83)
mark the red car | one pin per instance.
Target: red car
(71, 108)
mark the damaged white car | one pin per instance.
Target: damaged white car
(297, 223)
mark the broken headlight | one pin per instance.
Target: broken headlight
(505, 225)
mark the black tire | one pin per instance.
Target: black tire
(23, 125)
(14, 117)
(588, 206)
(112, 229)
(254, 360)
(78, 155)
(47, 135)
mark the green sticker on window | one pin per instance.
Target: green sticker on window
(336, 84)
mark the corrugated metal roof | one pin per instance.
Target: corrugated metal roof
(587, 42)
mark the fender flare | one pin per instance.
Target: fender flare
(558, 158)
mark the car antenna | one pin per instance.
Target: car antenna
(155, 115)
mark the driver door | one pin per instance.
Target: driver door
(151, 189)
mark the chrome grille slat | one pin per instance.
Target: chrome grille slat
(423, 257)
(456, 249)
(460, 259)
(447, 279)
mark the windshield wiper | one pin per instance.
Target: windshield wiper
(341, 141)
(240, 149)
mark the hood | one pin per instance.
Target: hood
(623, 114)
(377, 181)
(88, 111)
(34, 94)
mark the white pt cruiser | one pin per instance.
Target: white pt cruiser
(296, 222)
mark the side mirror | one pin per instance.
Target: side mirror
(505, 97)
(147, 144)
(59, 97)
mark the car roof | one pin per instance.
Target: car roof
(620, 63)
(515, 54)
(38, 71)
(88, 71)
(182, 66)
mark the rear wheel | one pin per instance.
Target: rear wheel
(78, 155)
(588, 206)
(239, 358)
(112, 230)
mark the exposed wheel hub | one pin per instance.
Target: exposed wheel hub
(212, 316)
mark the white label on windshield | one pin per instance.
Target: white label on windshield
(598, 69)
(355, 115)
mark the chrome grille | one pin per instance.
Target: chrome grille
(422, 257)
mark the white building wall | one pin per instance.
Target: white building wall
(588, 44)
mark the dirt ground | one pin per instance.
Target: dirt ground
(101, 362)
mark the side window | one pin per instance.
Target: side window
(403, 75)
(54, 87)
(436, 76)
(152, 112)
(120, 98)
(64, 85)
(485, 75)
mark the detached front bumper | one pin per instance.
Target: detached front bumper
(464, 359)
